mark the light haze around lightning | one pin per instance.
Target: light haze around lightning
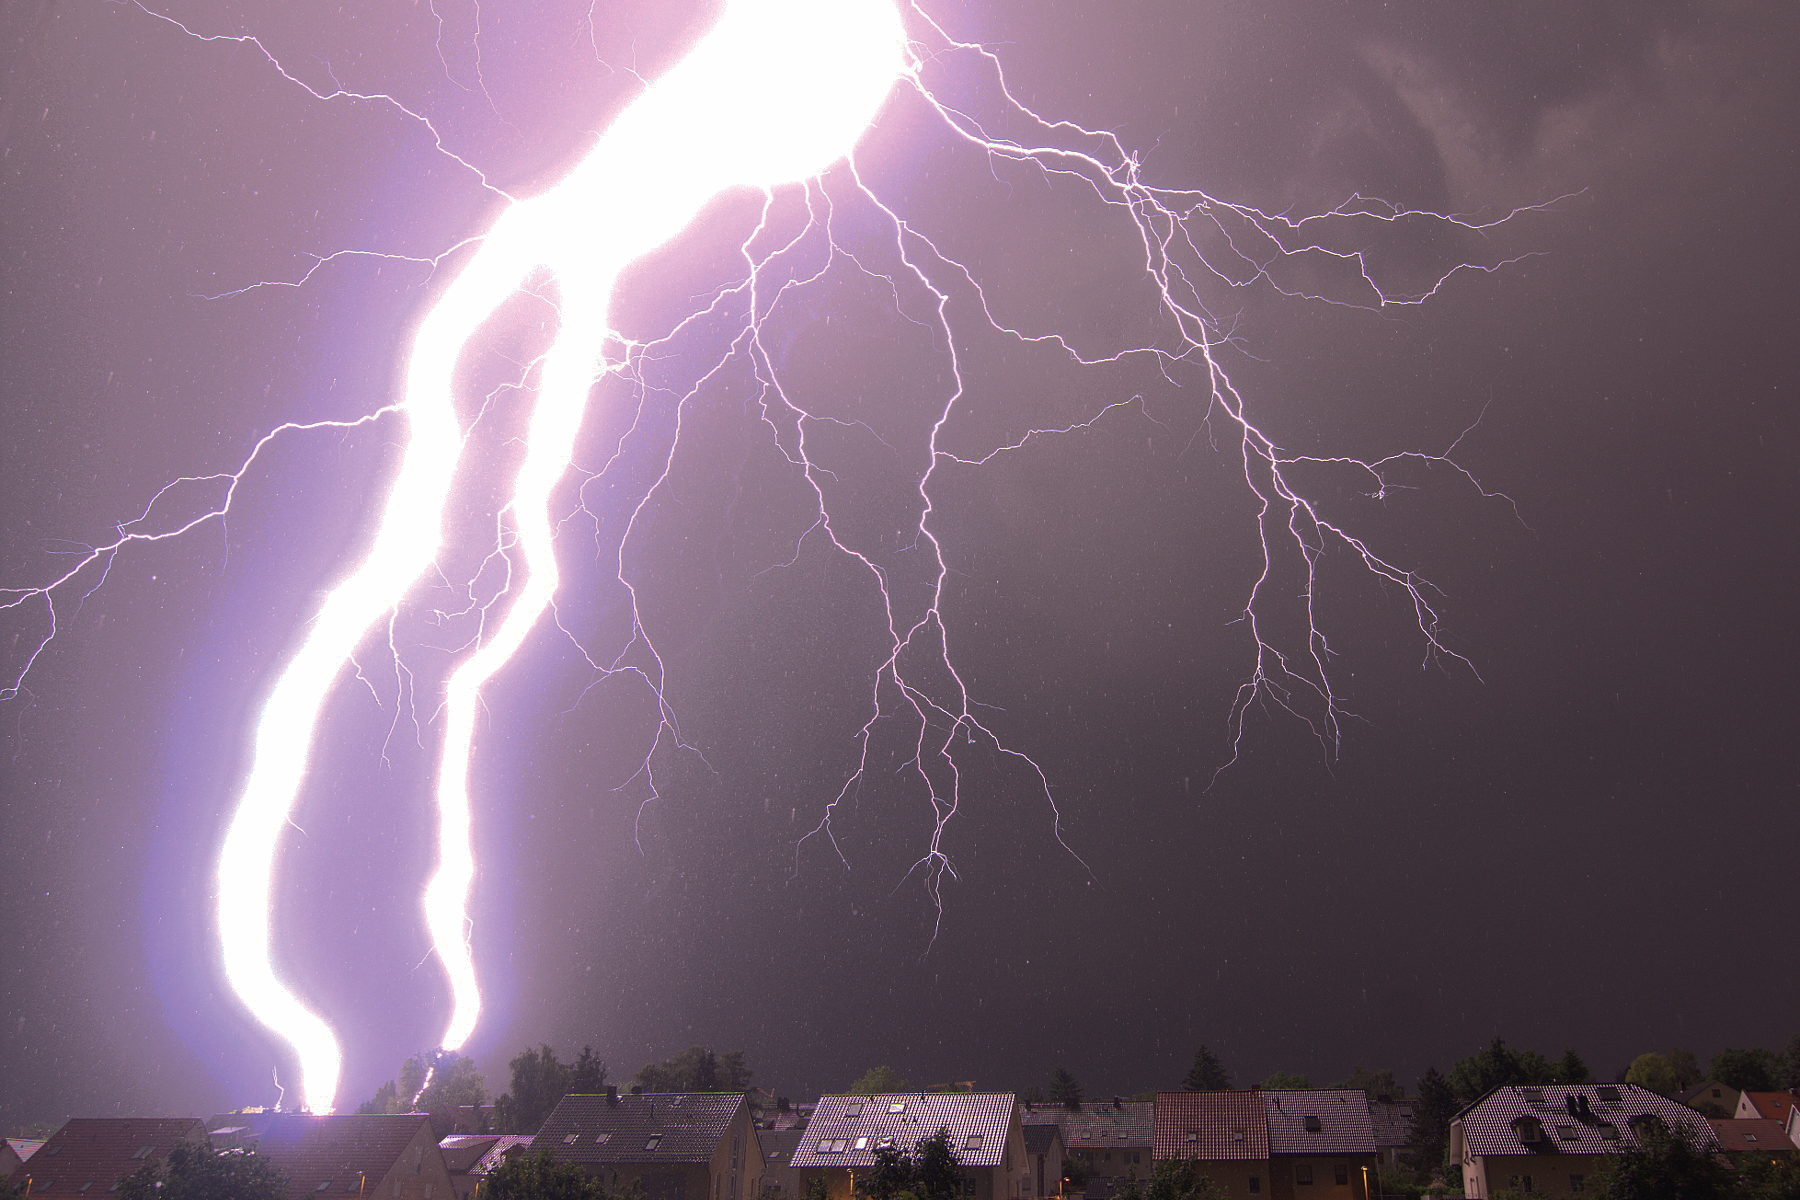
(774, 93)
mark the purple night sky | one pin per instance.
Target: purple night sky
(1580, 842)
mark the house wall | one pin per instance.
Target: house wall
(1486, 1175)
(1233, 1176)
(1288, 1172)
(1114, 1160)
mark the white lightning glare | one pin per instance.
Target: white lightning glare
(776, 92)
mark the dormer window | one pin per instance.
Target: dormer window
(1529, 1129)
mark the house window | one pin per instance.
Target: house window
(853, 1109)
(1303, 1173)
(569, 1139)
(654, 1142)
(1256, 1185)
(862, 1143)
(1341, 1176)
(140, 1152)
(972, 1142)
(1312, 1124)
(1578, 1183)
(897, 1107)
(323, 1187)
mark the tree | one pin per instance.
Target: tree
(930, 1171)
(1571, 1069)
(587, 1076)
(1787, 1064)
(1284, 1081)
(385, 1102)
(538, 1082)
(696, 1069)
(1065, 1089)
(1745, 1070)
(1432, 1114)
(538, 1177)
(194, 1172)
(1182, 1179)
(1207, 1074)
(1498, 1066)
(454, 1083)
(1686, 1068)
(1668, 1164)
(1374, 1083)
(878, 1080)
(1652, 1071)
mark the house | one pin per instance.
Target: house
(1321, 1144)
(1227, 1132)
(1771, 1106)
(14, 1152)
(1753, 1136)
(677, 1145)
(90, 1153)
(376, 1157)
(780, 1178)
(1552, 1139)
(469, 1157)
(1044, 1152)
(1392, 1121)
(1711, 1099)
(984, 1128)
(1111, 1139)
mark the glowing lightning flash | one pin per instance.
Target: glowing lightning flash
(776, 92)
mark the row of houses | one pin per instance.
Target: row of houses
(1322, 1144)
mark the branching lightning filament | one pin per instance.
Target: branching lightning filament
(776, 97)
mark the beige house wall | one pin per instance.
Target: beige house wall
(1484, 1175)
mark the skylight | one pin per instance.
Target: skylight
(323, 1187)
(972, 1142)
(1608, 1093)
(654, 1139)
(1535, 1095)
(853, 1109)
(569, 1139)
(899, 1106)
(1312, 1125)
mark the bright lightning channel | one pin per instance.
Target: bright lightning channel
(774, 93)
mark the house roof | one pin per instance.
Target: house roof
(506, 1146)
(1105, 1123)
(89, 1154)
(652, 1127)
(1773, 1106)
(24, 1147)
(1603, 1128)
(325, 1157)
(461, 1153)
(1753, 1133)
(851, 1127)
(1211, 1126)
(1711, 1089)
(778, 1145)
(1392, 1121)
(1039, 1138)
(1323, 1121)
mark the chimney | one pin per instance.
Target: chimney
(612, 1095)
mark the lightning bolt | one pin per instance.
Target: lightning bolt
(772, 98)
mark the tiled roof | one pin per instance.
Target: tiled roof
(350, 1153)
(778, 1145)
(1772, 1106)
(1392, 1121)
(1602, 1128)
(24, 1147)
(462, 1152)
(654, 1127)
(1038, 1138)
(1755, 1133)
(89, 1154)
(850, 1127)
(1099, 1123)
(1329, 1121)
(1211, 1126)
(506, 1146)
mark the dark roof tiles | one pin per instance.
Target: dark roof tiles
(654, 1127)
(351, 1152)
(1325, 1121)
(99, 1151)
(1102, 1123)
(1494, 1124)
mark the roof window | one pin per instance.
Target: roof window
(323, 1187)
(1569, 1133)
(82, 1190)
(1312, 1124)
(853, 1109)
(862, 1143)
(569, 1139)
(898, 1106)
(972, 1142)
(143, 1152)
(1749, 1137)
(1609, 1131)
(1237, 1135)
(655, 1138)
(1608, 1093)
(1534, 1095)
(600, 1139)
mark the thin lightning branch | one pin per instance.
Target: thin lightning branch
(774, 98)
